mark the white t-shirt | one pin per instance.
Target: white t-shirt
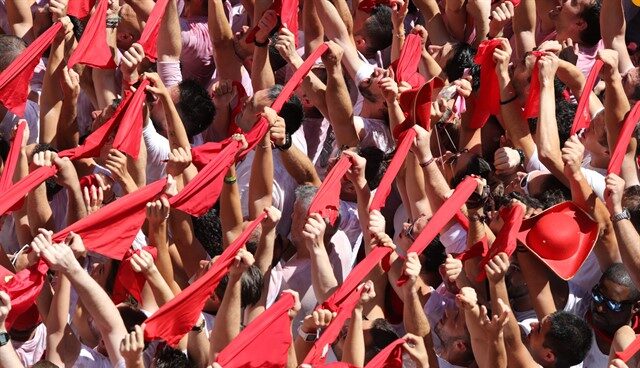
(89, 358)
(31, 351)
(157, 152)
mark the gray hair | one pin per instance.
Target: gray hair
(305, 194)
(10, 49)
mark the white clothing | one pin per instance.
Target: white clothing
(31, 351)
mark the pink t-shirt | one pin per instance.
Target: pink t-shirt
(587, 57)
(197, 51)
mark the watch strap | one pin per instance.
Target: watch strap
(4, 338)
(624, 215)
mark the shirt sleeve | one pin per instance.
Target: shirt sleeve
(169, 72)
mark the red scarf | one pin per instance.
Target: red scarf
(127, 119)
(80, 8)
(327, 199)
(582, 118)
(407, 64)
(149, 36)
(110, 230)
(93, 48)
(201, 193)
(442, 216)
(14, 80)
(6, 179)
(23, 289)
(629, 125)
(488, 100)
(389, 357)
(384, 188)
(264, 342)
(317, 354)
(128, 282)
(506, 240)
(368, 5)
(174, 319)
(11, 198)
(479, 249)
(532, 106)
(416, 105)
(287, 11)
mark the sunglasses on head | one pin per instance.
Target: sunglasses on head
(613, 305)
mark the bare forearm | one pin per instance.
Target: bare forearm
(341, 111)
(228, 318)
(105, 87)
(189, 248)
(354, 348)
(264, 252)
(300, 167)
(75, 204)
(177, 134)
(20, 18)
(322, 277)
(261, 72)
(261, 181)
(38, 209)
(415, 321)
(629, 242)
(231, 219)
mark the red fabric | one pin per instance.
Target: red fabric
(506, 240)
(174, 319)
(287, 11)
(440, 219)
(479, 249)
(327, 199)
(14, 195)
(488, 100)
(532, 106)
(80, 8)
(14, 80)
(630, 351)
(149, 36)
(355, 278)
(317, 353)
(23, 289)
(629, 125)
(202, 192)
(126, 121)
(515, 3)
(389, 357)
(89, 180)
(93, 49)
(110, 230)
(129, 282)
(6, 179)
(384, 188)
(237, 109)
(462, 220)
(368, 5)
(264, 342)
(408, 61)
(129, 134)
(416, 105)
(582, 118)
(206, 152)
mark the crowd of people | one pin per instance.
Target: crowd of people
(308, 183)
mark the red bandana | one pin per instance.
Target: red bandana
(506, 240)
(80, 8)
(327, 199)
(532, 106)
(149, 36)
(23, 289)
(128, 282)
(629, 125)
(287, 11)
(488, 100)
(582, 118)
(93, 49)
(389, 357)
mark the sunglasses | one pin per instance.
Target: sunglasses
(409, 232)
(613, 305)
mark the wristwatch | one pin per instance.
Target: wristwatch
(287, 143)
(624, 215)
(308, 337)
(4, 338)
(198, 328)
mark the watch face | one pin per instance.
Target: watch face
(4, 338)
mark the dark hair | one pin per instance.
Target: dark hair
(195, 107)
(553, 192)
(378, 29)
(434, 256)
(477, 166)
(168, 357)
(462, 58)
(208, 230)
(10, 49)
(111, 277)
(382, 334)
(631, 201)
(377, 163)
(50, 184)
(131, 317)
(292, 111)
(565, 113)
(78, 27)
(591, 15)
(569, 338)
(251, 286)
(619, 274)
(4, 148)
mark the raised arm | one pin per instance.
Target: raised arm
(613, 28)
(8, 356)
(627, 235)
(261, 72)
(264, 252)
(354, 346)
(228, 65)
(20, 17)
(323, 278)
(96, 301)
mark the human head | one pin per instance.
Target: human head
(304, 196)
(595, 137)
(578, 20)
(378, 334)
(615, 286)
(560, 340)
(251, 286)
(194, 105)
(131, 317)
(168, 357)
(410, 231)
(377, 163)
(207, 229)
(457, 60)
(631, 201)
(376, 32)
(10, 48)
(455, 339)
(129, 29)
(631, 84)
(369, 87)
(291, 111)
